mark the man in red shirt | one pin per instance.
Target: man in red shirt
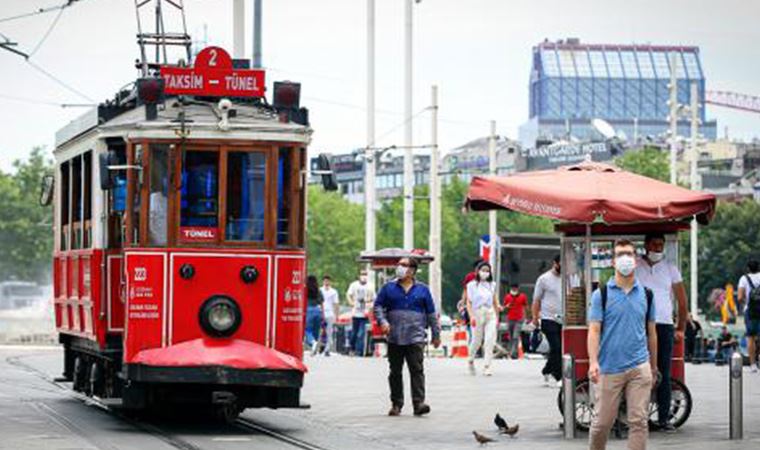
(516, 304)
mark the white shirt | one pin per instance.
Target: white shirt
(363, 297)
(549, 290)
(660, 278)
(744, 284)
(330, 296)
(481, 293)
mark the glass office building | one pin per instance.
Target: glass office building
(626, 85)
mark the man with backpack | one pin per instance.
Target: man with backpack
(622, 349)
(749, 291)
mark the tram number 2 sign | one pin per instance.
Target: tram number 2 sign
(213, 76)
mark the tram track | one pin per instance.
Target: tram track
(168, 438)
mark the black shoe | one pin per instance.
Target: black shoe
(395, 411)
(667, 428)
(421, 409)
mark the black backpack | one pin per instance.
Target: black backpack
(647, 291)
(753, 300)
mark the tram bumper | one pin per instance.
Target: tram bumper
(217, 361)
(239, 373)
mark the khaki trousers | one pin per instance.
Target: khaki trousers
(636, 384)
(484, 334)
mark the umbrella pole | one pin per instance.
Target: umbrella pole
(587, 264)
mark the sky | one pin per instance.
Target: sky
(478, 53)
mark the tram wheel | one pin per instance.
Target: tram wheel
(680, 405)
(95, 380)
(227, 413)
(79, 378)
(584, 405)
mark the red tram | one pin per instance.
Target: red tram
(179, 259)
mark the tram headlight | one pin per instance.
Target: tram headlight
(220, 316)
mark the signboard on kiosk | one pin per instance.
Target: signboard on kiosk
(213, 76)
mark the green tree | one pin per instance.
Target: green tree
(648, 161)
(334, 237)
(26, 230)
(725, 246)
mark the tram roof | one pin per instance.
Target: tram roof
(202, 120)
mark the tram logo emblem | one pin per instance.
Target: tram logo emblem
(141, 274)
(296, 277)
(288, 295)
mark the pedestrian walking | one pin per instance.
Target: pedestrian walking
(313, 313)
(664, 279)
(516, 304)
(330, 311)
(749, 296)
(404, 309)
(547, 314)
(360, 297)
(483, 308)
(622, 349)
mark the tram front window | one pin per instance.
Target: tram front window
(246, 196)
(200, 188)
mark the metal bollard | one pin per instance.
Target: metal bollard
(735, 397)
(568, 384)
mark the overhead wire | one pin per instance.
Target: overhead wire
(47, 33)
(39, 11)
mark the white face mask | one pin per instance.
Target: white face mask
(363, 278)
(484, 274)
(656, 256)
(625, 265)
(513, 292)
(400, 271)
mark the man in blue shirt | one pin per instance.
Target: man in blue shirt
(404, 309)
(626, 361)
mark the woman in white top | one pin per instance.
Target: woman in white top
(484, 308)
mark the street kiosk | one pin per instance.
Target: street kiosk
(594, 204)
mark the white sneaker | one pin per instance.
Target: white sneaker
(314, 348)
(487, 371)
(547, 380)
(559, 384)
(471, 367)
(754, 369)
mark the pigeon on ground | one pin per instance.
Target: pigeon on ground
(512, 431)
(482, 440)
(500, 423)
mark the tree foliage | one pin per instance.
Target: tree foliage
(649, 161)
(26, 232)
(725, 246)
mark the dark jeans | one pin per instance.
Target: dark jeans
(553, 332)
(664, 360)
(313, 324)
(413, 355)
(358, 330)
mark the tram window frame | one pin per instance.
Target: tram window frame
(175, 226)
(87, 199)
(157, 238)
(75, 187)
(134, 215)
(270, 212)
(65, 210)
(290, 194)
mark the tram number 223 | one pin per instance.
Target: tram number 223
(141, 274)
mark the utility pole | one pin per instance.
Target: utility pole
(238, 29)
(257, 11)
(695, 185)
(408, 154)
(435, 203)
(369, 154)
(673, 103)
(492, 213)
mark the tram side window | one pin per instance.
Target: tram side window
(87, 201)
(284, 170)
(246, 196)
(64, 195)
(200, 188)
(76, 202)
(159, 192)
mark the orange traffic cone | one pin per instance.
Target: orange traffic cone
(459, 347)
